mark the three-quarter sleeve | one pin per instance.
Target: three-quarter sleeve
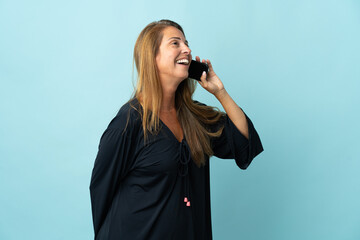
(231, 144)
(115, 158)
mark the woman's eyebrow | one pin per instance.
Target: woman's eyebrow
(177, 38)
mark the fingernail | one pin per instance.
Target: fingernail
(203, 73)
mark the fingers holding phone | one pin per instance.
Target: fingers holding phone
(208, 80)
(208, 63)
(197, 68)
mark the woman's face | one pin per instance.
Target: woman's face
(174, 56)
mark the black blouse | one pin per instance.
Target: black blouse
(137, 190)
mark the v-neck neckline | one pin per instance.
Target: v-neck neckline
(183, 138)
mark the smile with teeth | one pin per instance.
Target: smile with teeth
(183, 61)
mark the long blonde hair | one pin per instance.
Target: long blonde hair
(194, 118)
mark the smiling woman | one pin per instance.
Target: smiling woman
(173, 57)
(151, 174)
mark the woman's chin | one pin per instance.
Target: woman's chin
(185, 76)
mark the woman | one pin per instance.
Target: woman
(151, 175)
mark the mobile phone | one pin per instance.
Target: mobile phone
(196, 69)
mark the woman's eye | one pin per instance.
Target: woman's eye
(175, 43)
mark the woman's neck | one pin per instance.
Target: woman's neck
(168, 102)
(168, 98)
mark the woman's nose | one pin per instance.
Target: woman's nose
(186, 49)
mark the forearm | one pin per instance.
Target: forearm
(234, 112)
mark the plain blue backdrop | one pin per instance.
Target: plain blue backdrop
(293, 66)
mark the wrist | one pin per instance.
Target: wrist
(220, 94)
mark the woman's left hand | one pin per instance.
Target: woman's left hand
(211, 82)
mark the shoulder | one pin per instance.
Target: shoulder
(128, 116)
(209, 110)
(199, 103)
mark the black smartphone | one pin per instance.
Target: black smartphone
(196, 69)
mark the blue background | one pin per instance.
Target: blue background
(293, 66)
